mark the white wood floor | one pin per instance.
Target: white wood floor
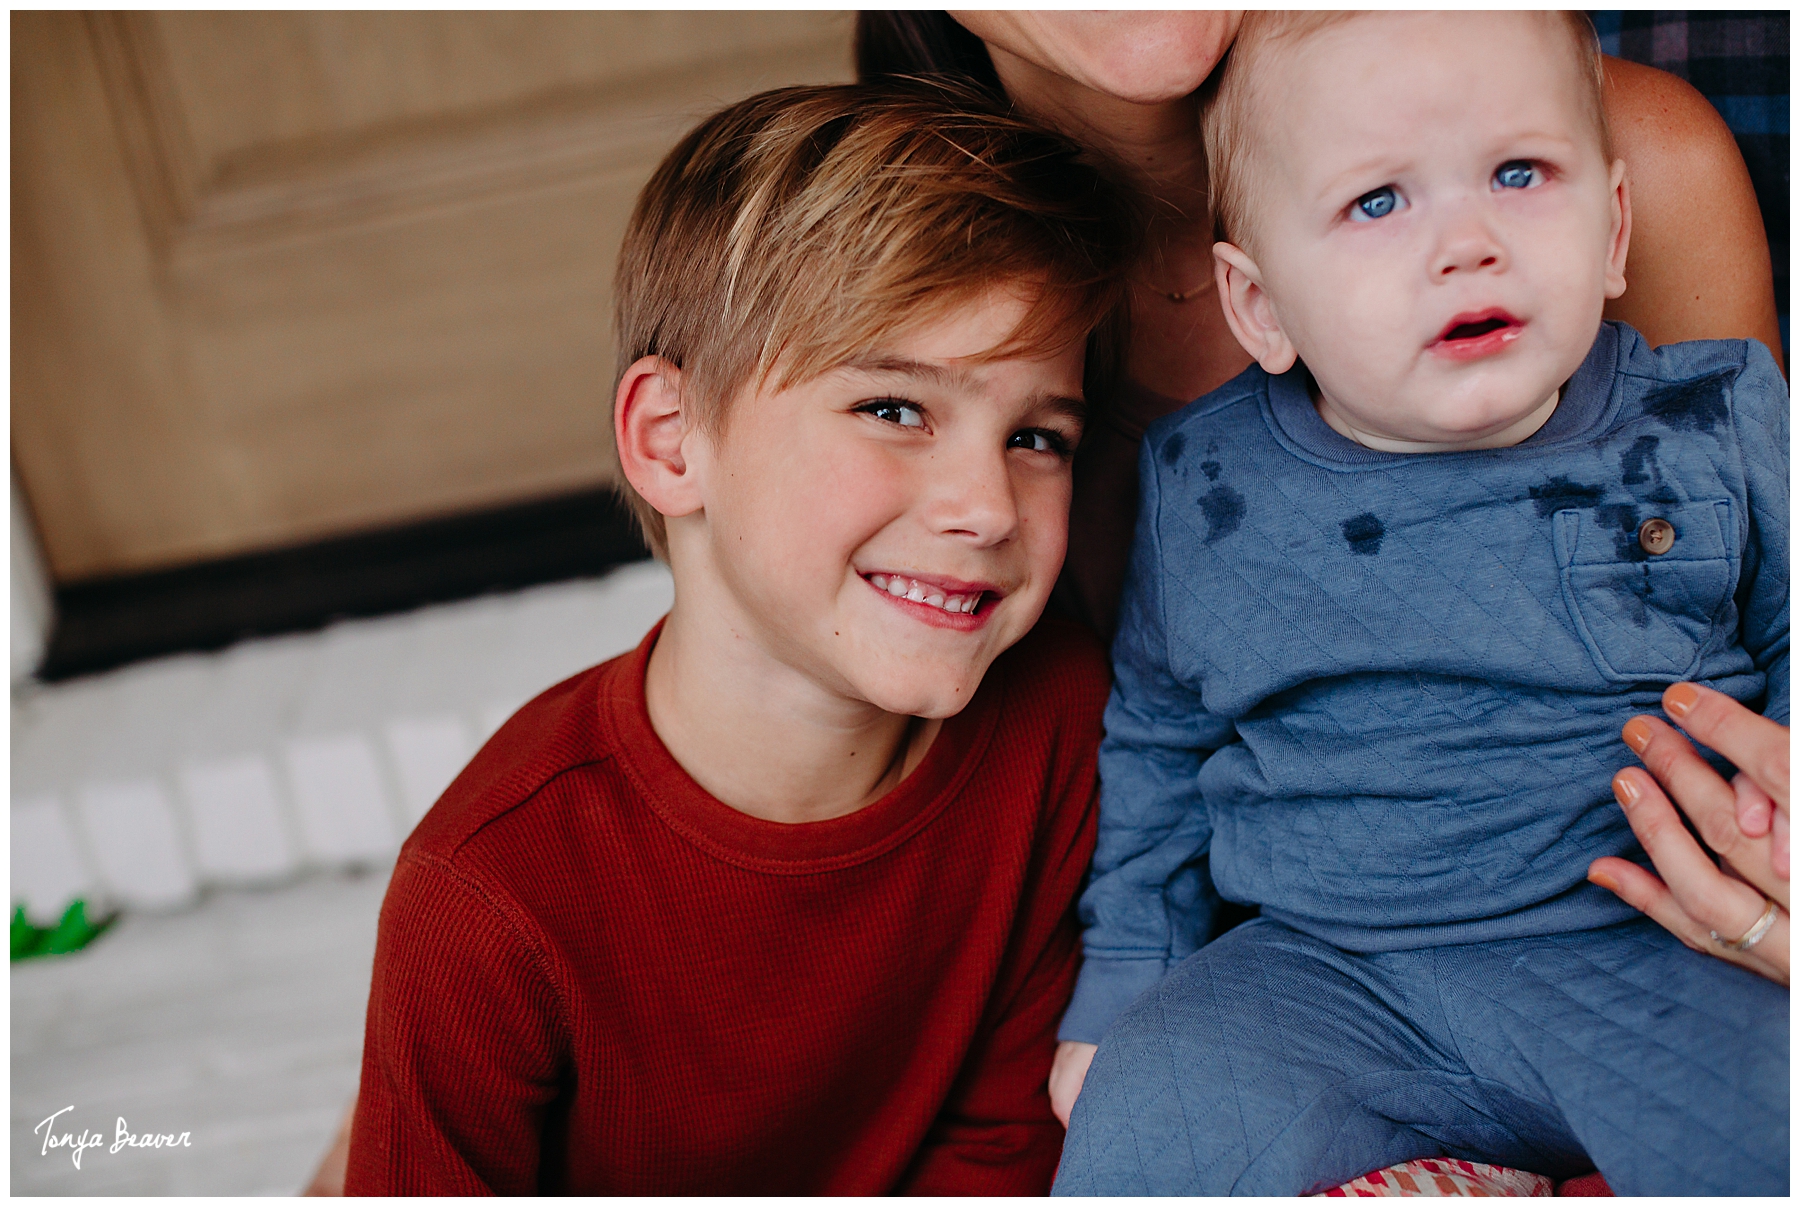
(237, 1020)
(243, 809)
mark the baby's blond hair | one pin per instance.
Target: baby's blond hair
(1230, 99)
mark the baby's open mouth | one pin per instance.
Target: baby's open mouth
(1476, 334)
(964, 601)
(1471, 330)
(1474, 326)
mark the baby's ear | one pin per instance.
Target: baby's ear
(1621, 231)
(650, 429)
(1249, 310)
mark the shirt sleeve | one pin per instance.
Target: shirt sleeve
(996, 1133)
(1760, 413)
(461, 1048)
(1149, 901)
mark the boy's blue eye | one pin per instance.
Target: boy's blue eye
(894, 411)
(1518, 174)
(1376, 203)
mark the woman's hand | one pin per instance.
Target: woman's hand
(1067, 1074)
(1744, 823)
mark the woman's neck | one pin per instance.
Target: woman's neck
(1180, 344)
(1157, 145)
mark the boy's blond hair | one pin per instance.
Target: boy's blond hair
(791, 232)
(1228, 125)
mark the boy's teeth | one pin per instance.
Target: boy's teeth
(904, 588)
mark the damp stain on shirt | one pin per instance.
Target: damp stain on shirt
(1691, 406)
(1223, 508)
(1363, 533)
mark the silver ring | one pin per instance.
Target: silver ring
(1754, 935)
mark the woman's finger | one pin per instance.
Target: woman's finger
(1778, 856)
(1708, 800)
(1704, 894)
(1755, 745)
(1643, 891)
(1755, 811)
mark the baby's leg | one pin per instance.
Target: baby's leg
(1670, 1067)
(1272, 1063)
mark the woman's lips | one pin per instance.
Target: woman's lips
(942, 602)
(1476, 334)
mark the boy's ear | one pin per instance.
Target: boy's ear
(1248, 310)
(1621, 232)
(651, 431)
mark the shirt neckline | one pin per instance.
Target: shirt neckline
(1289, 407)
(800, 848)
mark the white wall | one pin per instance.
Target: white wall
(32, 608)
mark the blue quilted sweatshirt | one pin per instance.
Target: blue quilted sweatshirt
(1380, 695)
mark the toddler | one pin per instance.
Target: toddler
(1394, 591)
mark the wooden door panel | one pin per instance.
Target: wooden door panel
(97, 372)
(244, 81)
(325, 271)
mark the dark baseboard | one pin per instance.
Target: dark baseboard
(104, 623)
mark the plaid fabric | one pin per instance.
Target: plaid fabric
(1443, 1177)
(1739, 62)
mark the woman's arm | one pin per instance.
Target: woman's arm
(1699, 262)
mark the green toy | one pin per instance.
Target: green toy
(73, 933)
(25, 936)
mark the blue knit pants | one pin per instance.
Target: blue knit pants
(1273, 1063)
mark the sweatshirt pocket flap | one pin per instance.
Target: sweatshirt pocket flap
(1647, 586)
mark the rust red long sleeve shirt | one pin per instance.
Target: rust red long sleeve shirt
(593, 977)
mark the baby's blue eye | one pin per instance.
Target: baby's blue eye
(1376, 203)
(1515, 175)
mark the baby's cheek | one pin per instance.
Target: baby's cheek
(1349, 323)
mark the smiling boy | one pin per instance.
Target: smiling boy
(1394, 592)
(781, 902)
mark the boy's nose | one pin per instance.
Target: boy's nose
(973, 498)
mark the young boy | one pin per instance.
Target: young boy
(781, 902)
(1394, 592)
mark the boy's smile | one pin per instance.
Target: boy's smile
(885, 530)
(1437, 228)
(947, 602)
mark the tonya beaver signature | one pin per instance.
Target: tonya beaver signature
(78, 1143)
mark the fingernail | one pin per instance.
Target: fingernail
(1637, 734)
(1624, 790)
(1680, 699)
(1604, 881)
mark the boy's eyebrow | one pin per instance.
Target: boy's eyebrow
(937, 374)
(1075, 408)
(943, 375)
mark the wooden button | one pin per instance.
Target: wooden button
(1656, 536)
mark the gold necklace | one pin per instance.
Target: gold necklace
(1176, 296)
